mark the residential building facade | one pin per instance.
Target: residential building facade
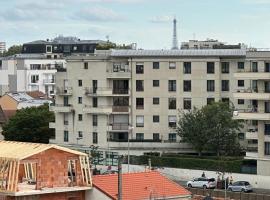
(29, 72)
(2, 47)
(124, 100)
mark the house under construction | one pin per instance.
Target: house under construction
(31, 171)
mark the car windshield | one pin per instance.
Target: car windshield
(211, 180)
(247, 183)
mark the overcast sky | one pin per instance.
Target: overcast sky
(145, 22)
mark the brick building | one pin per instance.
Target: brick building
(40, 171)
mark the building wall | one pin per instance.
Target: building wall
(8, 103)
(96, 194)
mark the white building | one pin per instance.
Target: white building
(2, 47)
(29, 72)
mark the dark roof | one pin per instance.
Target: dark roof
(71, 41)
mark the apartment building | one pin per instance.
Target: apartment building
(129, 99)
(29, 72)
(2, 47)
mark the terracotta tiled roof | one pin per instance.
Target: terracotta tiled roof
(139, 186)
(37, 94)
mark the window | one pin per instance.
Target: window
(225, 100)
(65, 100)
(241, 101)
(210, 101)
(95, 102)
(80, 117)
(65, 136)
(156, 118)
(172, 137)
(155, 65)
(139, 103)
(139, 86)
(85, 65)
(172, 85)
(187, 67)
(172, 65)
(34, 78)
(48, 49)
(267, 148)
(79, 83)
(65, 118)
(187, 103)
(267, 129)
(139, 68)
(139, 136)
(241, 83)
(210, 67)
(225, 87)
(95, 137)
(172, 120)
(241, 65)
(225, 67)
(79, 100)
(80, 134)
(139, 121)
(156, 101)
(156, 136)
(241, 136)
(155, 83)
(94, 120)
(210, 85)
(267, 107)
(254, 66)
(187, 86)
(172, 103)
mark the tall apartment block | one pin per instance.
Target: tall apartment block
(124, 100)
(2, 47)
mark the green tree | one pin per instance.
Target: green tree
(210, 128)
(111, 45)
(15, 49)
(30, 125)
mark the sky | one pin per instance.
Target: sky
(145, 22)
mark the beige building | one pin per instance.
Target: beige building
(129, 99)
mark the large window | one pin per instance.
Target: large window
(95, 102)
(139, 121)
(139, 86)
(254, 66)
(140, 136)
(172, 137)
(187, 103)
(267, 129)
(172, 85)
(210, 85)
(241, 65)
(187, 86)
(187, 67)
(139, 68)
(241, 83)
(267, 148)
(225, 86)
(156, 100)
(65, 136)
(80, 117)
(94, 120)
(172, 120)
(267, 67)
(156, 136)
(225, 67)
(172, 103)
(34, 78)
(155, 83)
(155, 65)
(139, 103)
(210, 67)
(95, 138)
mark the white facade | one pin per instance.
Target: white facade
(29, 73)
(130, 99)
(2, 47)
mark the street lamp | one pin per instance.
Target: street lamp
(129, 131)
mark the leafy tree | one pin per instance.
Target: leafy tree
(15, 49)
(30, 125)
(210, 128)
(111, 45)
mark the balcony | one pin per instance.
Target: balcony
(252, 94)
(250, 114)
(61, 108)
(64, 91)
(251, 155)
(120, 109)
(253, 75)
(119, 127)
(52, 125)
(98, 91)
(122, 72)
(49, 81)
(97, 110)
(252, 135)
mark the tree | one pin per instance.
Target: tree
(210, 128)
(15, 49)
(110, 45)
(30, 125)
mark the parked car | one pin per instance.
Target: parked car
(202, 183)
(240, 186)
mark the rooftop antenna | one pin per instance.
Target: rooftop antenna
(175, 41)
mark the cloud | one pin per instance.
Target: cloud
(99, 14)
(161, 19)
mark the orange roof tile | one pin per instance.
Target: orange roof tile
(138, 186)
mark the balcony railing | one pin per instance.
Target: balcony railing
(254, 90)
(48, 81)
(120, 126)
(64, 90)
(120, 108)
(120, 90)
(135, 140)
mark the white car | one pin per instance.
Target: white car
(202, 182)
(240, 186)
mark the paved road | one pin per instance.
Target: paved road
(255, 190)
